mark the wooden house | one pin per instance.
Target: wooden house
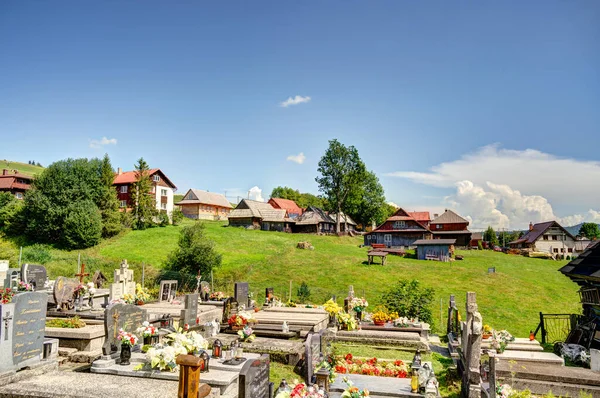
(204, 205)
(314, 220)
(434, 249)
(450, 225)
(260, 215)
(162, 189)
(399, 230)
(344, 220)
(550, 237)
(293, 210)
(422, 217)
(14, 182)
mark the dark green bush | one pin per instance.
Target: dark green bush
(37, 254)
(177, 216)
(303, 293)
(163, 219)
(410, 300)
(195, 252)
(83, 225)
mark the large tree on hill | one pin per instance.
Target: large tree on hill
(490, 236)
(144, 206)
(590, 230)
(367, 203)
(341, 173)
(109, 202)
(194, 252)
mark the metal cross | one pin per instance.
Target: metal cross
(116, 318)
(82, 273)
(7, 318)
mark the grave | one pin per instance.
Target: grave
(189, 315)
(13, 276)
(99, 279)
(120, 316)
(173, 311)
(22, 324)
(254, 379)
(377, 386)
(3, 270)
(123, 282)
(406, 340)
(168, 290)
(34, 275)
(269, 295)
(63, 291)
(204, 290)
(241, 293)
(89, 338)
(312, 353)
(305, 319)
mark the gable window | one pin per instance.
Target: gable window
(545, 237)
(163, 192)
(123, 203)
(399, 224)
(156, 178)
(387, 238)
(123, 188)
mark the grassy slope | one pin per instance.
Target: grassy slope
(22, 167)
(511, 298)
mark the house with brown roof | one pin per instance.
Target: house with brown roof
(162, 189)
(399, 230)
(203, 205)
(14, 182)
(344, 220)
(314, 220)
(253, 214)
(450, 225)
(550, 237)
(293, 210)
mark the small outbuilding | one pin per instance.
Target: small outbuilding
(435, 249)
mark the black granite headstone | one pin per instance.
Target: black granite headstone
(312, 351)
(241, 293)
(34, 274)
(189, 315)
(120, 316)
(254, 378)
(23, 324)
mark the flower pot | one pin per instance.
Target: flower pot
(125, 354)
(235, 328)
(139, 302)
(486, 335)
(379, 323)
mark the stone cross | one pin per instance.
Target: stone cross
(7, 318)
(471, 382)
(82, 274)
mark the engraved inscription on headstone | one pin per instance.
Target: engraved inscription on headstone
(189, 315)
(241, 293)
(120, 316)
(312, 351)
(34, 274)
(254, 378)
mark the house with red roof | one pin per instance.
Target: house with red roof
(293, 210)
(162, 189)
(550, 237)
(423, 217)
(450, 225)
(14, 182)
(401, 229)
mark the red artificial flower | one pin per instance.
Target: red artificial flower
(348, 358)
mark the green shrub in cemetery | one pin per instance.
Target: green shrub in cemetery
(410, 300)
(195, 252)
(82, 226)
(303, 293)
(37, 254)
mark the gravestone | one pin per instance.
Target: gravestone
(13, 276)
(120, 316)
(34, 274)
(22, 327)
(99, 279)
(204, 290)
(269, 294)
(241, 293)
(227, 308)
(3, 271)
(254, 379)
(471, 353)
(168, 290)
(63, 291)
(123, 282)
(189, 315)
(312, 353)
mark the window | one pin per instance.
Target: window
(554, 237)
(123, 203)
(19, 195)
(438, 226)
(570, 250)
(156, 178)
(387, 238)
(555, 250)
(545, 237)
(123, 188)
(562, 250)
(368, 237)
(399, 224)
(163, 206)
(163, 192)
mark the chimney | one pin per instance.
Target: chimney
(530, 226)
(5, 172)
(119, 171)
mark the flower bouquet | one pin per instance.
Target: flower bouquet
(239, 320)
(217, 296)
(24, 287)
(332, 307)
(126, 338)
(302, 391)
(327, 364)
(189, 342)
(6, 295)
(353, 392)
(500, 340)
(380, 317)
(358, 304)
(347, 321)
(163, 358)
(371, 367)
(487, 332)
(79, 291)
(148, 332)
(141, 295)
(246, 334)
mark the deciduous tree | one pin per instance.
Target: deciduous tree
(590, 230)
(144, 207)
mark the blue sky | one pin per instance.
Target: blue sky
(195, 88)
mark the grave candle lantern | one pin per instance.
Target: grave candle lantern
(323, 379)
(415, 366)
(205, 359)
(217, 349)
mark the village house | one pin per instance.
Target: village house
(434, 249)
(399, 230)
(260, 215)
(14, 182)
(450, 225)
(314, 220)
(422, 217)
(293, 210)
(550, 237)
(344, 220)
(162, 189)
(204, 205)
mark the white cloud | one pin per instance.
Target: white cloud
(298, 99)
(255, 193)
(299, 158)
(393, 205)
(104, 141)
(509, 188)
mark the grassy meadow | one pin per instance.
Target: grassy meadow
(509, 299)
(22, 167)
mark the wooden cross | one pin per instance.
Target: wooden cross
(82, 273)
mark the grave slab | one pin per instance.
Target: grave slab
(401, 339)
(382, 386)
(88, 338)
(531, 357)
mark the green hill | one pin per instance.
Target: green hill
(24, 168)
(511, 298)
